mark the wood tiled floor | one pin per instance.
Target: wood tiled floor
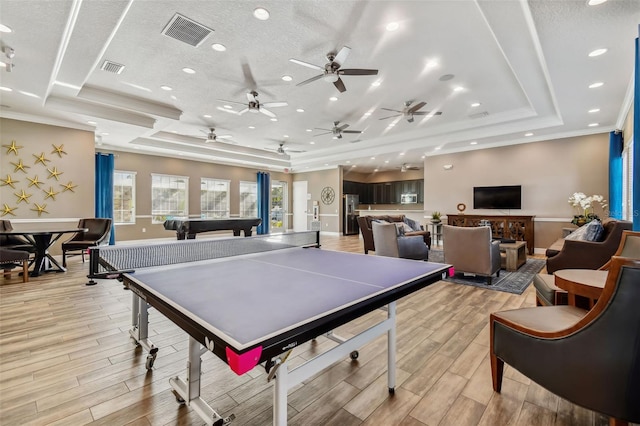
(66, 358)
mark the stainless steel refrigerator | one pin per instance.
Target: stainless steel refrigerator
(350, 219)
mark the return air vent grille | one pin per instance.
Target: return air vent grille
(111, 66)
(186, 30)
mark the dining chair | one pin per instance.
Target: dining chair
(591, 359)
(98, 233)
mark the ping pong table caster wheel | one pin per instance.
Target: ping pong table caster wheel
(392, 391)
(179, 399)
(153, 353)
(354, 355)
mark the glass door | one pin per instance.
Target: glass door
(278, 206)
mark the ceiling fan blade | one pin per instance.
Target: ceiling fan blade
(352, 131)
(251, 97)
(275, 104)
(306, 64)
(230, 111)
(231, 102)
(267, 112)
(340, 85)
(325, 133)
(320, 128)
(317, 77)
(416, 107)
(243, 111)
(342, 55)
(341, 128)
(391, 116)
(389, 109)
(248, 76)
(224, 136)
(357, 71)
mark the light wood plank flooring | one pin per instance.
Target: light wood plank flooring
(66, 359)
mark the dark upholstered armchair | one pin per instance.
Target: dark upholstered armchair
(575, 254)
(592, 358)
(10, 259)
(98, 233)
(390, 244)
(15, 242)
(471, 250)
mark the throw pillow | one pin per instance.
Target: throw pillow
(414, 225)
(592, 231)
(399, 229)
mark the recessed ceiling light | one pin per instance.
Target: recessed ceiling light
(353, 165)
(376, 83)
(167, 88)
(391, 125)
(6, 89)
(597, 84)
(274, 119)
(597, 52)
(594, 124)
(423, 157)
(373, 158)
(368, 113)
(207, 116)
(312, 143)
(174, 97)
(228, 107)
(473, 143)
(528, 134)
(392, 26)
(93, 123)
(375, 170)
(437, 148)
(261, 13)
(287, 78)
(595, 2)
(285, 136)
(5, 29)
(386, 161)
(334, 138)
(189, 70)
(218, 47)
(594, 110)
(348, 161)
(299, 110)
(31, 95)
(333, 98)
(475, 104)
(252, 127)
(104, 134)
(402, 153)
(458, 89)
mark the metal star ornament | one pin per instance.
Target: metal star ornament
(35, 182)
(50, 193)
(12, 148)
(20, 166)
(22, 196)
(9, 181)
(68, 186)
(41, 159)
(40, 209)
(54, 173)
(58, 150)
(8, 210)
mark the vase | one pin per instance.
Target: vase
(581, 221)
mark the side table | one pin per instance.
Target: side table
(583, 282)
(436, 233)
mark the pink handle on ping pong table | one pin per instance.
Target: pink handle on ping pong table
(241, 363)
(452, 271)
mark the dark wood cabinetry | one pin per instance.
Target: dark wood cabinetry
(384, 192)
(519, 228)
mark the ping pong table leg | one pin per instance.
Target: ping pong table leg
(391, 348)
(280, 396)
(140, 328)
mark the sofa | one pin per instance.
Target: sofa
(579, 254)
(364, 223)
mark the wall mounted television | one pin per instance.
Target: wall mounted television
(497, 197)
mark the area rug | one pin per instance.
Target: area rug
(510, 282)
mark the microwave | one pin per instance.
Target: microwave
(408, 198)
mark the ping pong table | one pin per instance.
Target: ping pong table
(254, 308)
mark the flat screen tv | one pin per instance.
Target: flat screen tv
(497, 197)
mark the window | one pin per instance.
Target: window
(627, 180)
(214, 198)
(248, 199)
(124, 195)
(169, 197)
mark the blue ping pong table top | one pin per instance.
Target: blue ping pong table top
(247, 299)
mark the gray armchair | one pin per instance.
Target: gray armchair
(389, 243)
(589, 358)
(470, 250)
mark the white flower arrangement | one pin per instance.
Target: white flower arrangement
(585, 205)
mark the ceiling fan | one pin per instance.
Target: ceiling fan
(331, 71)
(282, 150)
(337, 130)
(407, 166)
(409, 111)
(254, 105)
(212, 137)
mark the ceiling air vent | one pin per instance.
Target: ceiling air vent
(111, 66)
(186, 30)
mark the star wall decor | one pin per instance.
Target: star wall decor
(41, 159)
(8, 210)
(22, 196)
(68, 186)
(12, 148)
(58, 150)
(35, 182)
(9, 181)
(19, 166)
(40, 209)
(54, 173)
(50, 193)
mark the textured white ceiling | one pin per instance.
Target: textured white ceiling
(525, 61)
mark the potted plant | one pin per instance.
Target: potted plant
(435, 217)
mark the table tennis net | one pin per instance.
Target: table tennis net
(106, 260)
